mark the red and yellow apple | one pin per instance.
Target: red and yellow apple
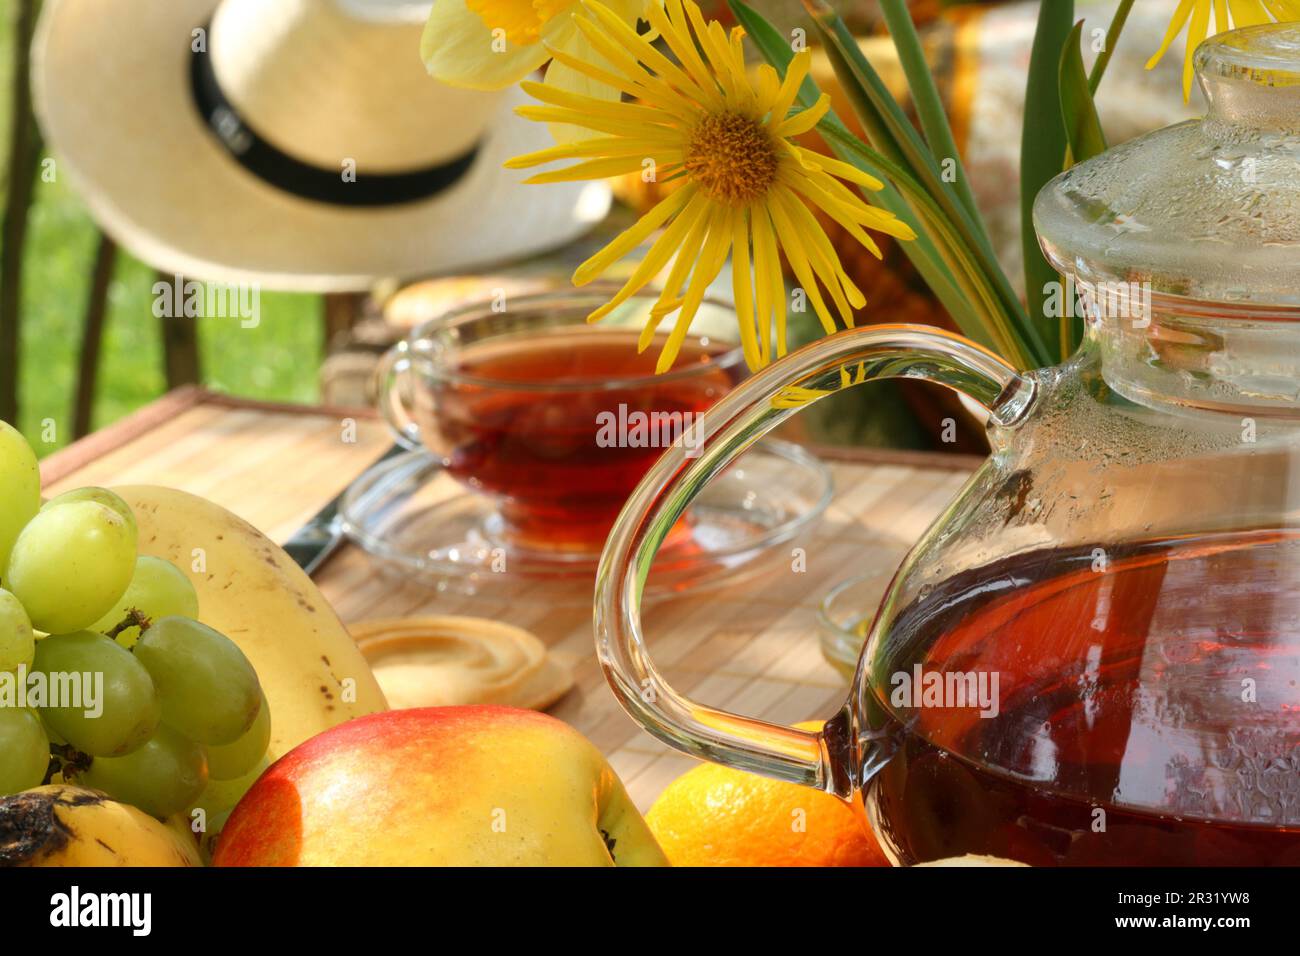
(440, 786)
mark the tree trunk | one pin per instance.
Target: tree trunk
(341, 311)
(180, 335)
(24, 153)
(93, 336)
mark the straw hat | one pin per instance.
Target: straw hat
(297, 144)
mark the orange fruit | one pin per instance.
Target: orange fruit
(716, 816)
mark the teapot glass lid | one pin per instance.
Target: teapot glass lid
(1208, 210)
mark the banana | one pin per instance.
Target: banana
(311, 670)
(60, 825)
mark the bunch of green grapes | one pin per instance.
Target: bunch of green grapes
(165, 703)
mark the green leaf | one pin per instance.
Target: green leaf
(1112, 40)
(1084, 134)
(1042, 146)
(886, 125)
(993, 298)
(1082, 125)
(985, 324)
(926, 99)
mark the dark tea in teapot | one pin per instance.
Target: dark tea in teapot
(1134, 724)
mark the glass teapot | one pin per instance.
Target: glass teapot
(1093, 655)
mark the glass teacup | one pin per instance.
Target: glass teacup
(554, 418)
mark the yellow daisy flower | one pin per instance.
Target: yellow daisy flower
(745, 187)
(1227, 14)
(492, 44)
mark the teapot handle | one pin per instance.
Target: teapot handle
(726, 431)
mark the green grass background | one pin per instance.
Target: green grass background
(276, 360)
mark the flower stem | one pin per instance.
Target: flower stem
(1112, 38)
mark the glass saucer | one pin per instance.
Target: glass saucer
(846, 614)
(413, 517)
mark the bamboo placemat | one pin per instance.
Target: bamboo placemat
(750, 647)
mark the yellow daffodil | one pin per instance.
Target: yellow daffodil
(1227, 14)
(745, 187)
(492, 44)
